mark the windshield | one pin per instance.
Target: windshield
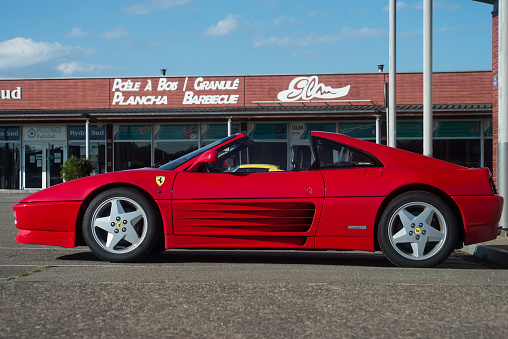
(183, 159)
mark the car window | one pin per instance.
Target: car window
(331, 154)
(183, 159)
(242, 156)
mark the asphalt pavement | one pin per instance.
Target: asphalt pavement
(50, 291)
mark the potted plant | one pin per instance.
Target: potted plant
(75, 168)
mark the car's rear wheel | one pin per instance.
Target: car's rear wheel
(417, 229)
(120, 225)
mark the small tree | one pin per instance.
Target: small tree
(75, 168)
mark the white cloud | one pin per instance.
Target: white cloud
(400, 5)
(286, 21)
(313, 39)
(76, 32)
(274, 41)
(71, 68)
(22, 52)
(149, 6)
(362, 33)
(419, 6)
(224, 27)
(115, 33)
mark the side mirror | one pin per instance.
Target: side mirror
(209, 157)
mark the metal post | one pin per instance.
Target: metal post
(229, 127)
(392, 119)
(502, 142)
(427, 78)
(87, 139)
(378, 129)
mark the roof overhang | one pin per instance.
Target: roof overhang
(245, 113)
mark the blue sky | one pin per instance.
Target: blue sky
(109, 38)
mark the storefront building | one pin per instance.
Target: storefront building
(138, 122)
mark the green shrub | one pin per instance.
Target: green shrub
(75, 168)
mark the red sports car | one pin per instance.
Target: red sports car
(341, 194)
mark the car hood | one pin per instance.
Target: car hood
(79, 189)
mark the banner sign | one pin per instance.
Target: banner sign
(268, 131)
(133, 132)
(44, 133)
(218, 131)
(301, 130)
(457, 129)
(362, 130)
(79, 133)
(177, 132)
(10, 133)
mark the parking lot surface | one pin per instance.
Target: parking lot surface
(49, 292)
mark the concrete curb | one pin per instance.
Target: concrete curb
(491, 254)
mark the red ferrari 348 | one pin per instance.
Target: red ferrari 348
(341, 194)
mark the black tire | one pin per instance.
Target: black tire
(120, 225)
(417, 229)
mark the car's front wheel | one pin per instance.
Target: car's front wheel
(120, 225)
(417, 229)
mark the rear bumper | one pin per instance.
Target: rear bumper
(480, 216)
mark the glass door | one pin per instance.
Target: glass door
(33, 165)
(54, 162)
(42, 164)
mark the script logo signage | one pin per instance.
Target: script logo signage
(308, 88)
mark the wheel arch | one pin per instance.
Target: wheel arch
(82, 210)
(422, 188)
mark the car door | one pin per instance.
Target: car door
(351, 203)
(248, 204)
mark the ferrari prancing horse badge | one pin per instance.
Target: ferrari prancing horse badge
(160, 180)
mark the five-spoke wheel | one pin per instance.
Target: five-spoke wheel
(417, 229)
(120, 225)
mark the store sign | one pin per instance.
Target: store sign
(301, 130)
(200, 84)
(308, 88)
(164, 91)
(10, 133)
(43, 133)
(120, 86)
(8, 94)
(79, 133)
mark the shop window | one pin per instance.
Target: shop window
(488, 153)
(167, 151)
(411, 145)
(9, 165)
(174, 141)
(464, 152)
(129, 155)
(359, 130)
(132, 147)
(97, 154)
(97, 145)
